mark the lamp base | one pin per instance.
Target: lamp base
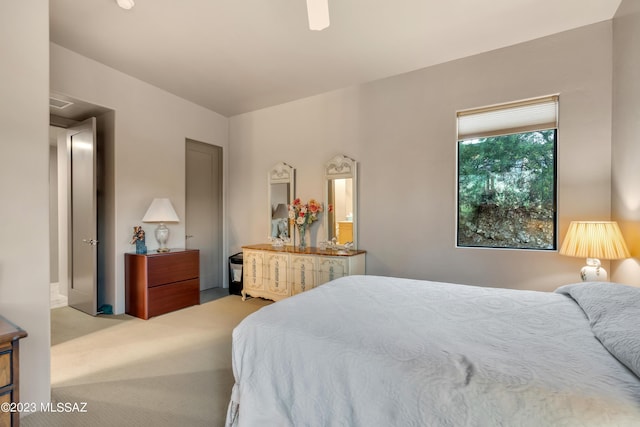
(593, 271)
(161, 250)
(162, 235)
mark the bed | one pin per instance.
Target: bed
(379, 351)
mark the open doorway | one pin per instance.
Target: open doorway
(71, 128)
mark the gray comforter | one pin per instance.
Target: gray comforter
(378, 351)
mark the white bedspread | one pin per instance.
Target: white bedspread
(378, 351)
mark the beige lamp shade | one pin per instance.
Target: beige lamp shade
(281, 211)
(161, 210)
(594, 239)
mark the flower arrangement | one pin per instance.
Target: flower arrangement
(303, 215)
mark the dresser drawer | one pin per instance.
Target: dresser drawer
(252, 270)
(5, 416)
(164, 269)
(5, 369)
(331, 268)
(276, 273)
(166, 298)
(303, 273)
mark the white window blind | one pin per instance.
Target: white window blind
(515, 117)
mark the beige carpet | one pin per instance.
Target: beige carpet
(170, 370)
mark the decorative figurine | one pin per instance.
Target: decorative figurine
(138, 239)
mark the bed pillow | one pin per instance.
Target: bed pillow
(614, 314)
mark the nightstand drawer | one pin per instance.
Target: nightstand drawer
(163, 269)
(166, 298)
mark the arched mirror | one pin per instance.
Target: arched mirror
(281, 191)
(341, 194)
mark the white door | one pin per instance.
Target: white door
(203, 216)
(83, 217)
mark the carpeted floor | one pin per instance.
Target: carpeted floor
(170, 370)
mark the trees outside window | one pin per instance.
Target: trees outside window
(507, 191)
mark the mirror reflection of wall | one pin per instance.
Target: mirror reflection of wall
(281, 188)
(343, 201)
(341, 221)
(340, 193)
(279, 210)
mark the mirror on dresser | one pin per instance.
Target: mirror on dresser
(280, 192)
(341, 193)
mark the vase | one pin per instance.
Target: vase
(141, 248)
(302, 242)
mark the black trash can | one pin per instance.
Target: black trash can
(235, 274)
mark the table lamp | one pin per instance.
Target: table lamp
(594, 240)
(161, 211)
(281, 211)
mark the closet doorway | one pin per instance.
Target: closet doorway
(203, 206)
(78, 203)
(74, 217)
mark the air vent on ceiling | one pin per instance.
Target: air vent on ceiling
(59, 103)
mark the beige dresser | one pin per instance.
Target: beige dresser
(279, 273)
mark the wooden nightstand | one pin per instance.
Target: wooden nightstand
(10, 335)
(158, 283)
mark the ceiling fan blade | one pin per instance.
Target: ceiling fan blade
(318, 11)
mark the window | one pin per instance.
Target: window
(507, 175)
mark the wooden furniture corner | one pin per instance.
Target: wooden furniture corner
(10, 336)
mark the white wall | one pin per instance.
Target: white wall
(626, 136)
(402, 131)
(24, 188)
(148, 152)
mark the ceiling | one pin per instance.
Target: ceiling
(235, 56)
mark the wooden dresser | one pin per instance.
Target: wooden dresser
(158, 283)
(10, 335)
(279, 273)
